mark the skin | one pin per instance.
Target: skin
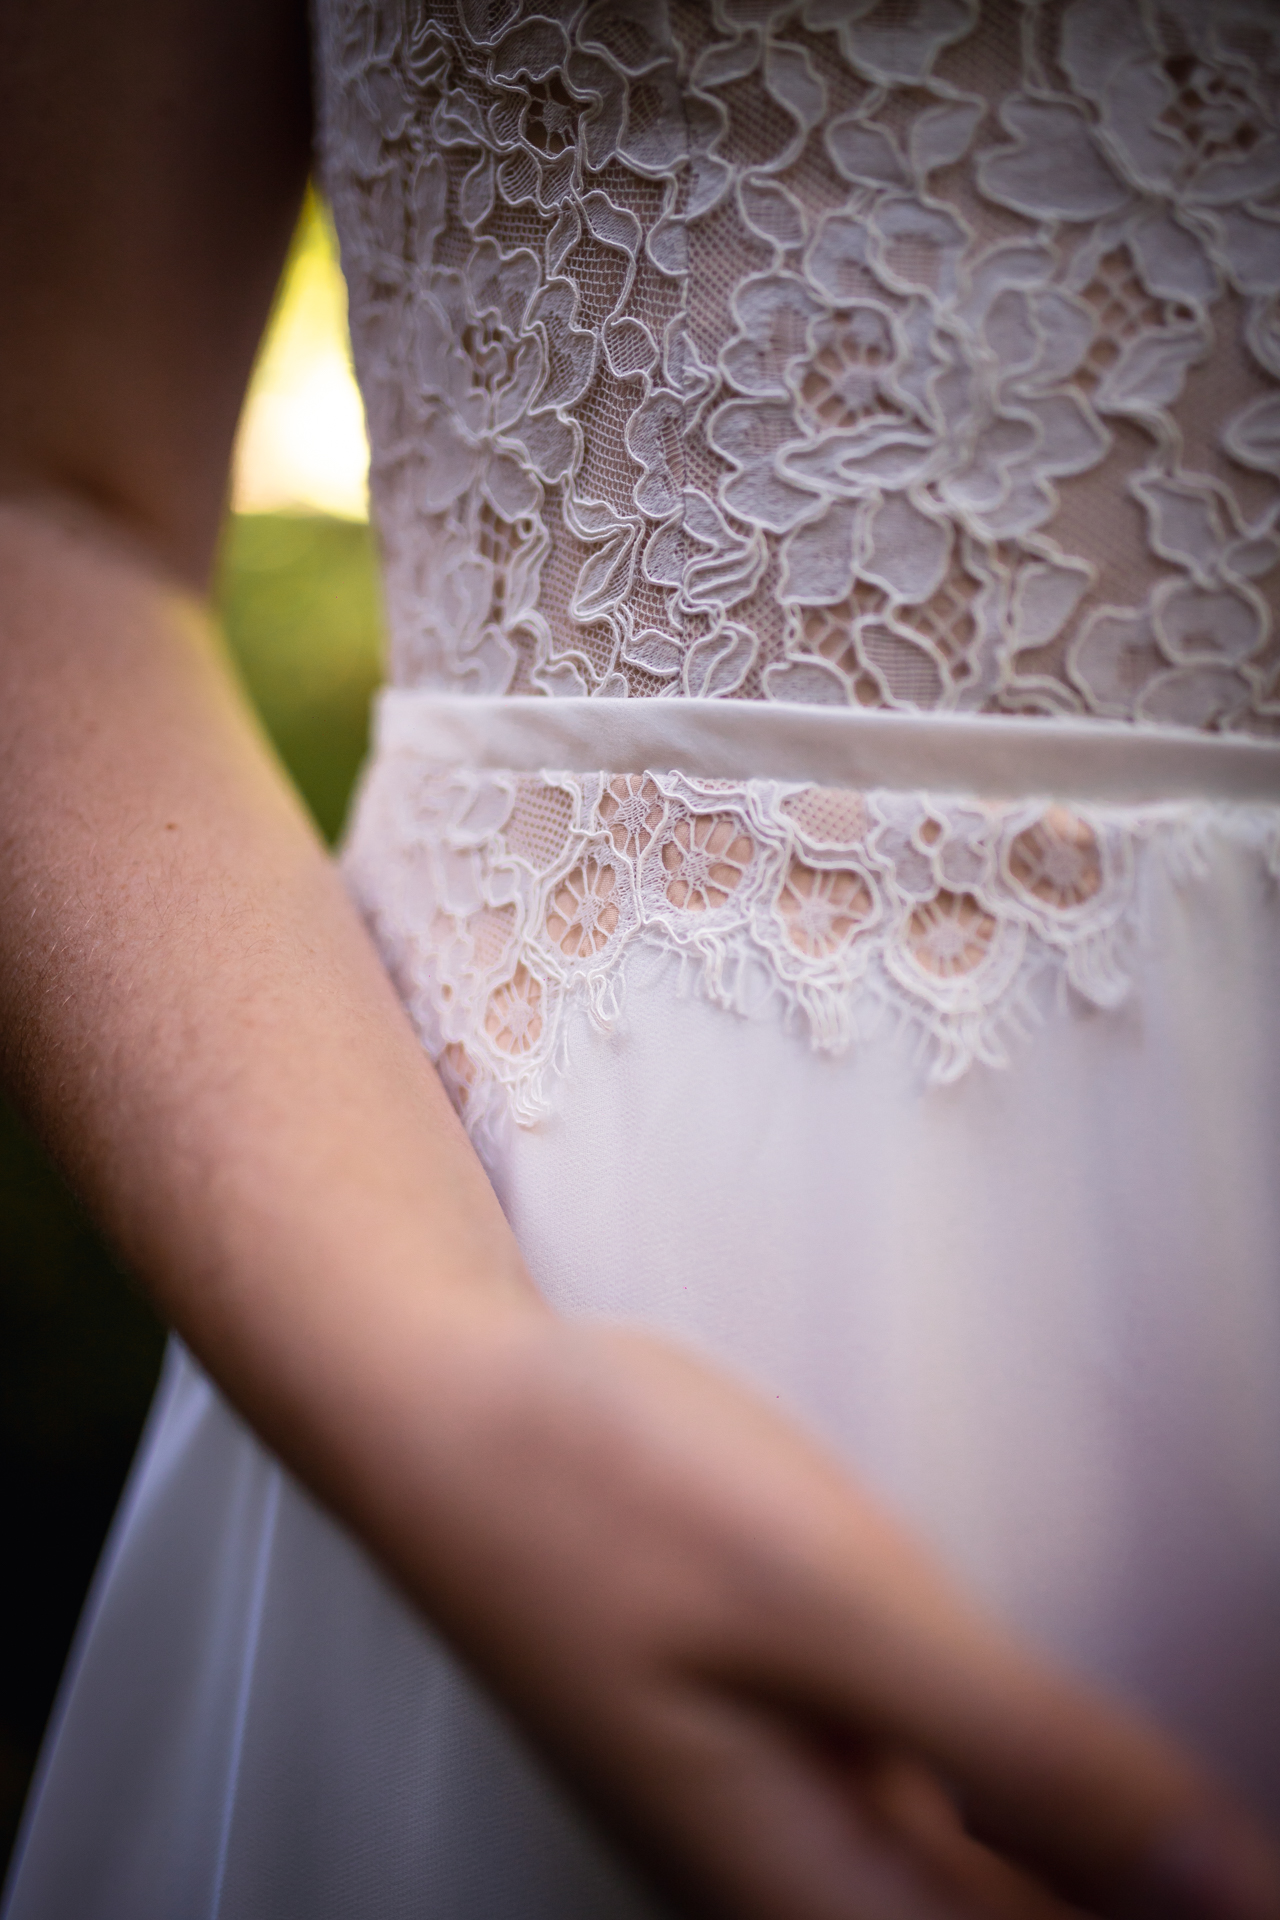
(739, 1664)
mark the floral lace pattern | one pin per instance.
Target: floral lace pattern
(908, 352)
(504, 902)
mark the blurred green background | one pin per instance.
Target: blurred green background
(79, 1349)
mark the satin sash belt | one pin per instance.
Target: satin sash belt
(995, 756)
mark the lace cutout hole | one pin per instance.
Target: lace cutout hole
(1058, 860)
(513, 1020)
(707, 857)
(950, 934)
(822, 908)
(583, 915)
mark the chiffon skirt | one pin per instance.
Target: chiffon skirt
(1038, 1310)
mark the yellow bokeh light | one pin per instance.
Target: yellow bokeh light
(301, 442)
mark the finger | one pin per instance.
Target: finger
(1095, 1800)
(1101, 1805)
(741, 1818)
(916, 1811)
(816, 1606)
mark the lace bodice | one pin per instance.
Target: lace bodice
(913, 353)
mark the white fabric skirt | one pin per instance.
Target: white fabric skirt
(1038, 1309)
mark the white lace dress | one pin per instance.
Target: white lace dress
(825, 822)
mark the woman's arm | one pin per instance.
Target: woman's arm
(754, 1678)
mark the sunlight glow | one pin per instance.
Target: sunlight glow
(301, 442)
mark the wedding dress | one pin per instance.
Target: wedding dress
(825, 823)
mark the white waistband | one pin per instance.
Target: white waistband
(997, 756)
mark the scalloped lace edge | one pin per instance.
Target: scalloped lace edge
(504, 903)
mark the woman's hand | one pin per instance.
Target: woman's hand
(782, 1707)
(772, 1699)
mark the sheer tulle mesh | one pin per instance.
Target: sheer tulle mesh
(909, 353)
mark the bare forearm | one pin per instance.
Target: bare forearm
(669, 1587)
(193, 1013)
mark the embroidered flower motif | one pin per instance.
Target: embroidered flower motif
(822, 908)
(503, 904)
(513, 1022)
(1058, 860)
(706, 858)
(632, 810)
(804, 350)
(582, 913)
(950, 934)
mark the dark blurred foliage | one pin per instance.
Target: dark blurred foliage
(79, 1348)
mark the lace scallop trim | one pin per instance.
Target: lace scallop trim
(503, 903)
